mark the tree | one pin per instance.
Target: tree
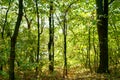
(102, 26)
(51, 38)
(3, 29)
(14, 40)
(38, 44)
(5, 22)
(65, 36)
(88, 59)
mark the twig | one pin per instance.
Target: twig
(111, 2)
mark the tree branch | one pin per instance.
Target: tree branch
(111, 2)
(4, 25)
(28, 21)
(19, 19)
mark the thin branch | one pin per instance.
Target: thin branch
(28, 21)
(5, 19)
(69, 6)
(111, 2)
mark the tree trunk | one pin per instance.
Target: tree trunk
(89, 47)
(1, 67)
(96, 53)
(65, 37)
(3, 29)
(13, 41)
(12, 59)
(102, 26)
(51, 39)
(6, 17)
(65, 45)
(38, 44)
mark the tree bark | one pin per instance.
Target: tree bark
(1, 67)
(14, 40)
(38, 43)
(65, 45)
(89, 47)
(51, 38)
(102, 26)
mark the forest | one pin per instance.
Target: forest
(59, 40)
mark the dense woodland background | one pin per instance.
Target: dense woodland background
(59, 39)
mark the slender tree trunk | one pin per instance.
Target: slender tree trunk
(102, 26)
(1, 65)
(3, 29)
(38, 44)
(65, 45)
(14, 40)
(96, 54)
(89, 47)
(65, 37)
(51, 38)
(6, 15)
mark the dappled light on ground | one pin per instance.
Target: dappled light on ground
(74, 73)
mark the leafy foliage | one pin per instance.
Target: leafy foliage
(81, 17)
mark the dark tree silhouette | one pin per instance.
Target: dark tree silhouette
(51, 38)
(102, 26)
(14, 40)
(38, 43)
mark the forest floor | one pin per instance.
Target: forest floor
(75, 73)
